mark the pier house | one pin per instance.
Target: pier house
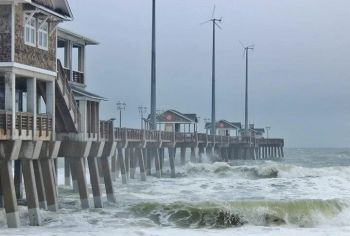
(225, 127)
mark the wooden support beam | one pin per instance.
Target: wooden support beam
(127, 162)
(193, 155)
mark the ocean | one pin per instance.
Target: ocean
(306, 193)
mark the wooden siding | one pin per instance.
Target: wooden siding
(33, 56)
(5, 33)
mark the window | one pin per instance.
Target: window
(29, 31)
(43, 35)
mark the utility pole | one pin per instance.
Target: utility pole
(142, 110)
(153, 125)
(120, 107)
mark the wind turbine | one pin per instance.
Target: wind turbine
(153, 125)
(215, 22)
(246, 54)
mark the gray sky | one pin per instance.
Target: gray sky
(299, 73)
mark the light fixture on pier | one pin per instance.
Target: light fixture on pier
(267, 131)
(121, 106)
(142, 111)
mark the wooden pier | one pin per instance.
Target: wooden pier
(46, 113)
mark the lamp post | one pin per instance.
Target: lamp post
(267, 131)
(206, 121)
(142, 110)
(120, 107)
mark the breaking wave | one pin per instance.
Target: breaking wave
(266, 170)
(299, 213)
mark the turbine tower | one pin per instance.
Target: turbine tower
(153, 125)
(215, 22)
(246, 54)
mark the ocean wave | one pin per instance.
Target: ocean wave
(265, 170)
(300, 213)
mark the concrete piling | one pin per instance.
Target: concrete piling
(49, 183)
(140, 153)
(127, 162)
(157, 162)
(108, 180)
(132, 163)
(148, 159)
(77, 165)
(40, 184)
(18, 179)
(183, 155)
(193, 155)
(31, 193)
(122, 166)
(172, 162)
(67, 179)
(10, 200)
(95, 182)
(115, 167)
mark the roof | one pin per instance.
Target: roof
(224, 124)
(60, 8)
(174, 116)
(84, 93)
(74, 37)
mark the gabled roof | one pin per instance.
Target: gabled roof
(60, 7)
(224, 124)
(174, 116)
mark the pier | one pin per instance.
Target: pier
(47, 113)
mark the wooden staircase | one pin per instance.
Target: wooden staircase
(67, 110)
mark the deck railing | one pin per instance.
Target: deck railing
(135, 135)
(44, 123)
(106, 130)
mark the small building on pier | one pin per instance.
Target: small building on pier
(224, 128)
(172, 120)
(255, 132)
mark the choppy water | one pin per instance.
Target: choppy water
(307, 193)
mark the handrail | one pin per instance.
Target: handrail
(67, 90)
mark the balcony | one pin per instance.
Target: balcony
(77, 77)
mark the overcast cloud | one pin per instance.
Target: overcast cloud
(299, 73)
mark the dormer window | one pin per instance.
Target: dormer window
(43, 33)
(29, 30)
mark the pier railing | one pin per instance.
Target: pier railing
(138, 135)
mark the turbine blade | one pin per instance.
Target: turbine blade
(218, 25)
(213, 13)
(240, 42)
(243, 56)
(205, 22)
